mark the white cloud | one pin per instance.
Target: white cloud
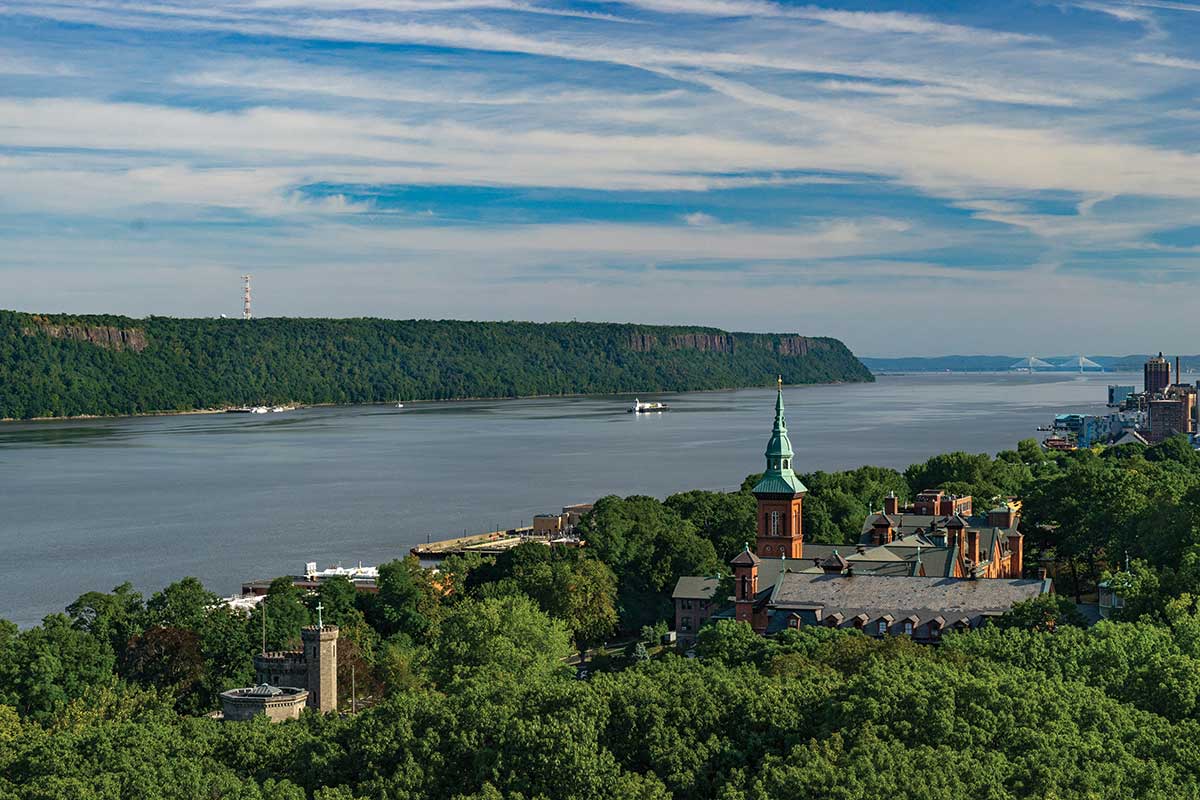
(1166, 61)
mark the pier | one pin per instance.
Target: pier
(488, 544)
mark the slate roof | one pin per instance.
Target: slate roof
(689, 588)
(926, 598)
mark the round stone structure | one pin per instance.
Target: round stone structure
(276, 703)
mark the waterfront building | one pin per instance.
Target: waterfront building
(1117, 394)
(1156, 375)
(1085, 430)
(363, 578)
(313, 667)
(919, 568)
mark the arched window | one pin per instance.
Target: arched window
(745, 586)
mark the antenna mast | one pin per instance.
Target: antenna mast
(245, 297)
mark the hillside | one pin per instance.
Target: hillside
(61, 365)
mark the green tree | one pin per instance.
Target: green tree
(496, 637)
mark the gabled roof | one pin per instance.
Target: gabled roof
(689, 588)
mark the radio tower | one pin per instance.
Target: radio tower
(245, 297)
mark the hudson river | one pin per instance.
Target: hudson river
(226, 497)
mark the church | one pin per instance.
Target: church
(917, 571)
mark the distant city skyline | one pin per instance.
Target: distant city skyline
(911, 178)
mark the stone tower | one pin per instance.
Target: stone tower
(780, 496)
(320, 654)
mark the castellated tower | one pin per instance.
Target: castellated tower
(320, 654)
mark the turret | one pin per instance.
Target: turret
(745, 585)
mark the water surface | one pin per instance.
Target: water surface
(89, 504)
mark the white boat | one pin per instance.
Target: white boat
(639, 407)
(399, 404)
(259, 410)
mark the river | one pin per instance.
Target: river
(88, 504)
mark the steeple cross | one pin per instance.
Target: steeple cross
(320, 608)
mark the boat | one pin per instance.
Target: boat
(399, 404)
(639, 407)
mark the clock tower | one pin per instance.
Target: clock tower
(780, 496)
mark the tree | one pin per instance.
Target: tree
(286, 613)
(1043, 613)
(183, 604)
(648, 547)
(406, 602)
(336, 596)
(110, 618)
(507, 636)
(169, 659)
(43, 668)
(726, 519)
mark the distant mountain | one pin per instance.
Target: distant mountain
(1131, 363)
(59, 365)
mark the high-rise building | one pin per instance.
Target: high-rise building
(1156, 375)
(1118, 393)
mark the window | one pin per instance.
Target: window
(685, 623)
(774, 523)
(687, 605)
(908, 629)
(785, 463)
(882, 627)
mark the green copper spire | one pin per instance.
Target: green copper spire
(779, 477)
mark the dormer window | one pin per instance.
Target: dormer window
(882, 627)
(908, 629)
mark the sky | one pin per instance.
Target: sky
(913, 178)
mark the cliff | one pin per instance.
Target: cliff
(58, 365)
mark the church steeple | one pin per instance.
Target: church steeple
(779, 477)
(780, 494)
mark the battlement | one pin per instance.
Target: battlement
(280, 656)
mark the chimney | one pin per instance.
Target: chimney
(891, 504)
(973, 545)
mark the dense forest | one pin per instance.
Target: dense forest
(464, 689)
(58, 365)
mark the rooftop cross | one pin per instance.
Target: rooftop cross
(320, 608)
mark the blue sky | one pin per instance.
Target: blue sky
(912, 178)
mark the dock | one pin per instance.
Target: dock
(487, 544)
(557, 529)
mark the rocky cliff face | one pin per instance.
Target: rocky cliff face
(704, 342)
(100, 335)
(724, 343)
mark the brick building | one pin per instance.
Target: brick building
(951, 567)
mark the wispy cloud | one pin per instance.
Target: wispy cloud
(669, 151)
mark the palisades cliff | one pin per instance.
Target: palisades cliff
(54, 365)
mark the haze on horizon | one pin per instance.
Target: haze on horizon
(913, 179)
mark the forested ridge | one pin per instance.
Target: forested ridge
(63, 365)
(469, 696)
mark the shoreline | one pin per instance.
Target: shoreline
(299, 406)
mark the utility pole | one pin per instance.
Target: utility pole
(245, 297)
